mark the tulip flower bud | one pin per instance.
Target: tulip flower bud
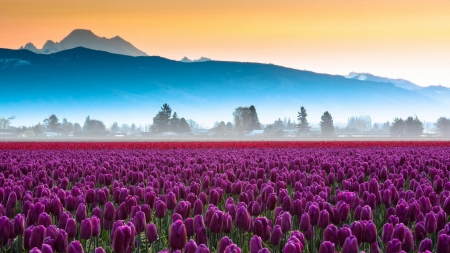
(430, 223)
(177, 235)
(394, 246)
(191, 247)
(44, 219)
(160, 209)
(304, 222)
(255, 244)
(286, 222)
(86, 229)
(342, 235)
(443, 243)
(330, 234)
(61, 241)
(350, 245)
(326, 247)
(233, 248)
(99, 250)
(146, 209)
(198, 207)
(46, 248)
(71, 228)
(313, 213)
(242, 218)
(227, 223)
(26, 237)
(75, 247)
(139, 222)
(121, 239)
(200, 235)
(277, 233)
(171, 201)
(324, 219)
(224, 243)
(5, 229)
(202, 249)
(151, 233)
(37, 236)
(19, 224)
(35, 250)
(70, 203)
(425, 245)
(370, 233)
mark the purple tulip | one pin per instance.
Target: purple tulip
(5, 229)
(56, 207)
(430, 223)
(71, 228)
(326, 247)
(200, 235)
(19, 224)
(350, 245)
(61, 241)
(160, 209)
(313, 213)
(75, 247)
(304, 222)
(277, 233)
(443, 244)
(35, 250)
(425, 245)
(330, 234)
(394, 246)
(178, 235)
(202, 249)
(151, 233)
(37, 236)
(342, 235)
(121, 239)
(324, 219)
(286, 222)
(86, 229)
(191, 247)
(233, 248)
(255, 244)
(224, 243)
(46, 248)
(44, 219)
(99, 250)
(242, 218)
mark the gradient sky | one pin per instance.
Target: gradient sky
(407, 39)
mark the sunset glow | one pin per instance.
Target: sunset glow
(324, 36)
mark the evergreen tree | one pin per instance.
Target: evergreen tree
(443, 126)
(161, 120)
(303, 125)
(174, 123)
(326, 124)
(52, 123)
(254, 125)
(409, 127)
(398, 127)
(183, 126)
(115, 127)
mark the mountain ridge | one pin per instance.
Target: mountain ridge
(89, 82)
(86, 38)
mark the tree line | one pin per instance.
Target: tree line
(245, 120)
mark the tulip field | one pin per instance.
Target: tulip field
(225, 197)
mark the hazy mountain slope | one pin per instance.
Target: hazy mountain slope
(87, 39)
(439, 93)
(401, 83)
(115, 87)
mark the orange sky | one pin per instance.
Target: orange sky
(400, 39)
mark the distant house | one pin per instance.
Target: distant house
(255, 133)
(7, 133)
(49, 134)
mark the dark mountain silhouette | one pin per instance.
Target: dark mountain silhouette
(438, 93)
(87, 39)
(90, 82)
(201, 59)
(401, 83)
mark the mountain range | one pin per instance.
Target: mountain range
(438, 92)
(87, 39)
(78, 82)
